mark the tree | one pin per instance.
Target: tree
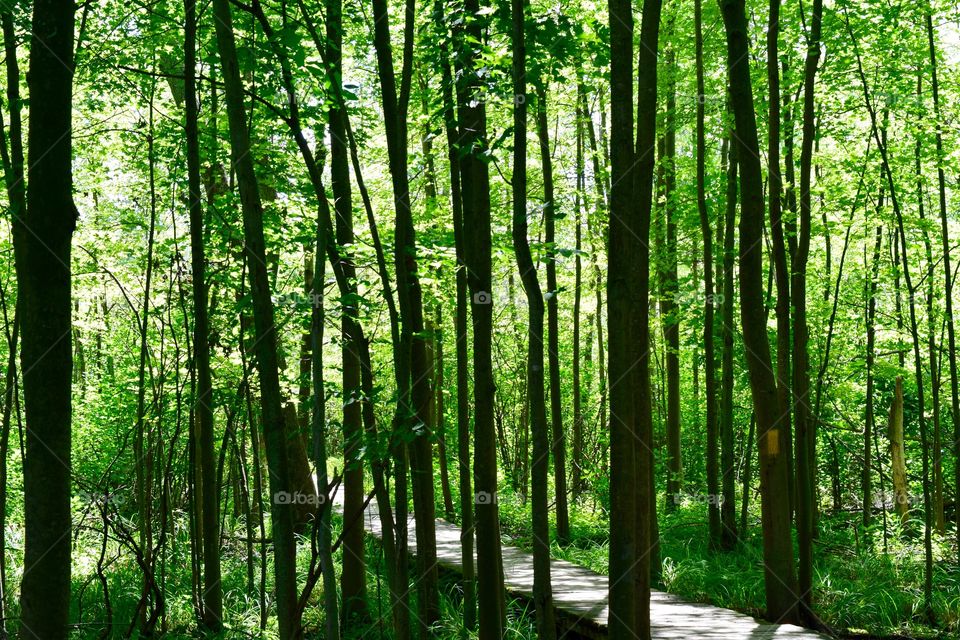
(475, 188)
(353, 576)
(43, 232)
(284, 545)
(628, 281)
(780, 579)
(210, 508)
(709, 298)
(543, 599)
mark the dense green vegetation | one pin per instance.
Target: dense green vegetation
(664, 289)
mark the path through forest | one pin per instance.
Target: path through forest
(580, 595)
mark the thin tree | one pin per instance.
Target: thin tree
(281, 520)
(779, 576)
(353, 577)
(709, 298)
(558, 444)
(212, 597)
(477, 250)
(542, 593)
(805, 425)
(460, 328)
(414, 392)
(947, 272)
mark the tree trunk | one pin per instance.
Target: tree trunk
(43, 231)
(628, 283)
(475, 184)
(212, 597)
(779, 249)
(780, 579)
(728, 531)
(869, 415)
(437, 422)
(353, 582)
(898, 464)
(932, 350)
(558, 445)
(709, 298)
(947, 272)
(414, 392)
(804, 425)
(542, 594)
(668, 305)
(284, 544)
(576, 466)
(460, 326)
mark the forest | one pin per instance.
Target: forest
(489, 319)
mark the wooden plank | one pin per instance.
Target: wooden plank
(580, 595)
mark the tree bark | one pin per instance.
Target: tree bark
(460, 327)
(212, 596)
(542, 592)
(728, 532)
(628, 283)
(780, 579)
(558, 444)
(284, 544)
(804, 425)
(43, 232)
(668, 304)
(709, 298)
(869, 422)
(947, 272)
(475, 185)
(898, 464)
(414, 394)
(353, 582)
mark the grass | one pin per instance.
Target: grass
(859, 589)
(861, 586)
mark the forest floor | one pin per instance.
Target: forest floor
(861, 589)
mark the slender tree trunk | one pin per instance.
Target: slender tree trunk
(947, 272)
(438, 421)
(318, 430)
(779, 249)
(780, 579)
(212, 597)
(869, 416)
(414, 393)
(709, 298)
(475, 185)
(284, 545)
(805, 428)
(460, 327)
(542, 595)
(558, 444)
(898, 464)
(353, 582)
(932, 350)
(728, 532)
(11, 148)
(668, 305)
(576, 466)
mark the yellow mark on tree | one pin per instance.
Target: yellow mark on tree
(772, 442)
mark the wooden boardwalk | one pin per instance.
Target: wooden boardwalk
(580, 596)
